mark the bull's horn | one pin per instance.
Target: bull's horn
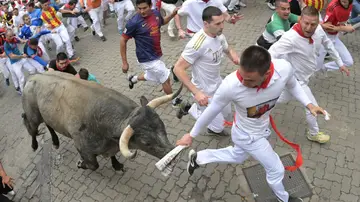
(124, 142)
(163, 99)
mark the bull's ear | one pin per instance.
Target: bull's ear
(143, 101)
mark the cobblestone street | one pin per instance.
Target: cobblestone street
(333, 169)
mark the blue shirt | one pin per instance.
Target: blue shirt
(91, 77)
(34, 52)
(36, 17)
(12, 48)
(146, 32)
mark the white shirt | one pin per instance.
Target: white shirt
(252, 107)
(193, 9)
(301, 54)
(205, 53)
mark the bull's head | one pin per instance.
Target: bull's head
(146, 131)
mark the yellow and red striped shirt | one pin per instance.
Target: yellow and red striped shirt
(50, 17)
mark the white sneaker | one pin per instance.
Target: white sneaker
(11, 193)
(271, 6)
(171, 33)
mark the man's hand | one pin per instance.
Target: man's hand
(345, 69)
(315, 110)
(181, 33)
(348, 28)
(6, 180)
(125, 67)
(236, 18)
(186, 140)
(202, 98)
(328, 27)
(175, 11)
(24, 55)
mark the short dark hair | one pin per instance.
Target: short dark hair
(61, 56)
(15, 9)
(148, 2)
(209, 12)
(84, 73)
(43, 1)
(255, 59)
(277, 2)
(310, 11)
(33, 41)
(73, 2)
(31, 4)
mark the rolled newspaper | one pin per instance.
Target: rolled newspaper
(166, 164)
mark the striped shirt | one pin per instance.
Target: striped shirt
(49, 17)
(205, 54)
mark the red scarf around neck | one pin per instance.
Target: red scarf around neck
(298, 29)
(265, 83)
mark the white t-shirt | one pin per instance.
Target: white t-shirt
(205, 53)
(302, 55)
(252, 106)
(193, 9)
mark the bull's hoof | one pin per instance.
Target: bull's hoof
(118, 166)
(80, 164)
(56, 146)
(34, 147)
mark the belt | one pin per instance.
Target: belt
(118, 0)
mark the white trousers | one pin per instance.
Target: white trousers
(313, 126)
(45, 55)
(39, 68)
(4, 62)
(60, 38)
(119, 8)
(18, 75)
(75, 21)
(217, 124)
(169, 8)
(341, 49)
(260, 150)
(96, 14)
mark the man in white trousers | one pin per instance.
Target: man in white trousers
(18, 61)
(337, 14)
(204, 53)
(120, 6)
(94, 8)
(60, 35)
(5, 64)
(301, 47)
(253, 89)
(169, 6)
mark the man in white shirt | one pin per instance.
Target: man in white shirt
(193, 10)
(253, 89)
(301, 47)
(204, 54)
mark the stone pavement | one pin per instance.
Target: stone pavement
(333, 169)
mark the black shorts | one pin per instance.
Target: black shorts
(263, 43)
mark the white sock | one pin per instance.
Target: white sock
(134, 79)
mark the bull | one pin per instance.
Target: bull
(101, 121)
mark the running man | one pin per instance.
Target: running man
(144, 27)
(203, 54)
(253, 89)
(301, 46)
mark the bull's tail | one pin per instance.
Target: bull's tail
(33, 130)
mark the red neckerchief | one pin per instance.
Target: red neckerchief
(67, 6)
(298, 29)
(64, 67)
(265, 83)
(205, 1)
(38, 50)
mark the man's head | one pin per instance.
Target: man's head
(144, 7)
(26, 19)
(213, 20)
(62, 60)
(254, 66)
(72, 4)
(15, 12)
(283, 8)
(83, 73)
(30, 6)
(9, 35)
(33, 43)
(345, 3)
(309, 20)
(45, 4)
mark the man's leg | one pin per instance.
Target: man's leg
(129, 7)
(34, 65)
(94, 15)
(314, 134)
(57, 40)
(169, 8)
(45, 55)
(344, 55)
(119, 9)
(355, 18)
(17, 69)
(66, 39)
(6, 71)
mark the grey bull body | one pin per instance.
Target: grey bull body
(101, 121)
